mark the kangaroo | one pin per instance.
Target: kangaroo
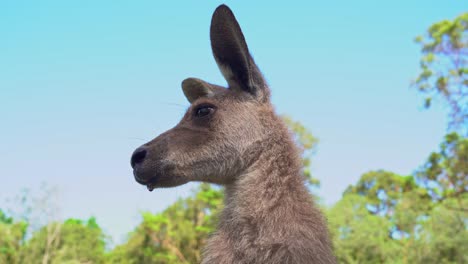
(232, 137)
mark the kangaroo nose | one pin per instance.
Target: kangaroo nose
(138, 156)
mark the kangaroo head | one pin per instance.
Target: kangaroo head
(219, 136)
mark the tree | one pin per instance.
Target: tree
(360, 236)
(175, 235)
(444, 70)
(367, 224)
(78, 241)
(445, 173)
(383, 190)
(421, 218)
(441, 236)
(12, 235)
(443, 230)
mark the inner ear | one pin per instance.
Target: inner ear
(232, 55)
(195, 88)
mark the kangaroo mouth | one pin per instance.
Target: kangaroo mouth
(161, 177)
(149, 182)
(150, 187)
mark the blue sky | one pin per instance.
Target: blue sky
(83, 83)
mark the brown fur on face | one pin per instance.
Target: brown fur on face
(234, 138)
(209, 148)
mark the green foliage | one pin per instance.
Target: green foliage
(423, 218)
(11, 238)
(176, 235)
(445, 174)
(360, 236)
(442, 236)
(415, 230)
(74, 241)
(444, 70)
(383, 190)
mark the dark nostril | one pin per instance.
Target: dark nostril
(138, 156)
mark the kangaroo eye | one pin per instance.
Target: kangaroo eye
(204, 110)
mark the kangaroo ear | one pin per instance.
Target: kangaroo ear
(195, 88)
(232, 55)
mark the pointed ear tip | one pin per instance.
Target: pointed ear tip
(185, 82)
(222, 7)
(188, 82)
(223, 11)
(194, 88)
